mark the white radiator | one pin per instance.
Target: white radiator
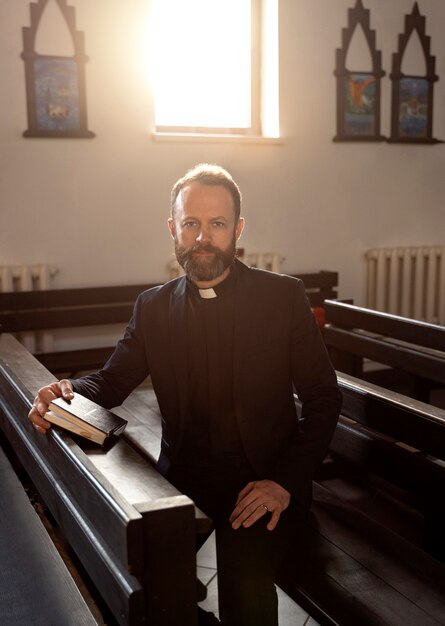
(407, 281)
(26, 277)
(29, 278)
(265, 261)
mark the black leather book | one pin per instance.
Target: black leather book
(85, 418)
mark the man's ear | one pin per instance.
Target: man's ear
(171, 227)
(239, 228)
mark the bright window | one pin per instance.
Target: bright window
(210, 62)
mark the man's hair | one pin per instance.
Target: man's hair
(207, 174)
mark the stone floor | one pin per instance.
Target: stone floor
(290, 614)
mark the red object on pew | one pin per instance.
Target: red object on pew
(320, 317)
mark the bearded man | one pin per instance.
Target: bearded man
(226, 347)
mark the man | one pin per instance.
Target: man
(226, 346)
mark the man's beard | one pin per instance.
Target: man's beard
(204, 269)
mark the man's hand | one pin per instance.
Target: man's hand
(258, 498)
(44, 396)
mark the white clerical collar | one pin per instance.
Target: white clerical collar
(207, 293)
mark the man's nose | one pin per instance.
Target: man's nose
(203, 235)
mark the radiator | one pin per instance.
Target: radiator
(407, 281)
(266, 261)
(29, 278)
(26, 277)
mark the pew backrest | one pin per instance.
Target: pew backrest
(400, 440)
(412, 346)
(100, 307)
(65, 308)
(394, 415)
(349, 316)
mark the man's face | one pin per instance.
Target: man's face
(205, 232)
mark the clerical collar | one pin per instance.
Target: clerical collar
(207, 294)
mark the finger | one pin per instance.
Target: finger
(249, 499)
(61, 388)
(44, 396)
(40, 430)
(47, 394)
(247, 489)
(37, 420)
(66, 389)
(274, 519)
(257, 514)
(250, 514)
(245, 498)
(245, 507)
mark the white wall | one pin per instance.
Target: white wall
(97, 208)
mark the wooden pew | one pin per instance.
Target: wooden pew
(403, 441)
(135, 536)
(35, 585)
(347, 566)
(380, 432)
(402, 584)
(409, 346)
(341, 545)
(99, 307)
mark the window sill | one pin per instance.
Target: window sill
(214, 138)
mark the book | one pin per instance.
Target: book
(85, 418)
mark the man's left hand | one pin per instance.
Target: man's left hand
(255, 500)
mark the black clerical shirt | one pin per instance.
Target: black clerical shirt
(211, 434)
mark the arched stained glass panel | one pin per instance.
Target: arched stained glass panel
(55, 84)
(358, 71)
(412, 94)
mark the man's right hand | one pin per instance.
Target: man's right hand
(44, 397)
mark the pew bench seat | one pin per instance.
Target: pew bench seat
(346, 569)
(35, 585)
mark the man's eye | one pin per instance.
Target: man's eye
(219, 224)
(189, 224)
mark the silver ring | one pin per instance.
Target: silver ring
(264, 506)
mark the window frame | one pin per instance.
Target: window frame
(255, 130)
